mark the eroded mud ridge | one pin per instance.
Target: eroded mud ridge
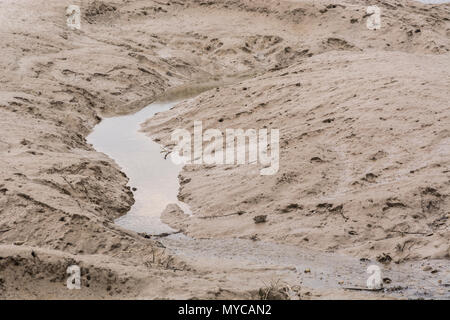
(364, 119)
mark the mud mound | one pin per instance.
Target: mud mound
(353, 175)
(43, 274)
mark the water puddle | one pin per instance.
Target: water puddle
(155, 178)
(326, 270)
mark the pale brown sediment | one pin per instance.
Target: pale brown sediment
(372, 106)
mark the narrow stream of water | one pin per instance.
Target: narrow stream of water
(155, 178)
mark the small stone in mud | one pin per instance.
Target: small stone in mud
(260, 219)
(387, 280)
(364, 260)
(316, 159)
(384, 258)
(307, 270)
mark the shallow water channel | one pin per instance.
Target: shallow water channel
(154, 178)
